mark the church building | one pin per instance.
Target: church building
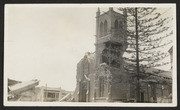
(100, 75)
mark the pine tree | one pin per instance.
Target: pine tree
(146, 29)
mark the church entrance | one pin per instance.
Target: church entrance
(142, 96)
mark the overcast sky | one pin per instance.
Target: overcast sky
(47, 41)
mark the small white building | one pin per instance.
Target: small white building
(50, 94)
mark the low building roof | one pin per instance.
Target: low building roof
(51, 88)
(23, 85)
(12, 82)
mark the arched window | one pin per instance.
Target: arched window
(101, 29)
(116, 24)
(120, 24)
(105, 27)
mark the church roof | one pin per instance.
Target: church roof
(155, 71)
(159, 72)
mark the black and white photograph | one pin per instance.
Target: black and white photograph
(90, 55)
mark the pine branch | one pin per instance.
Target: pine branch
(146, 13)
(155, 47)
(155, 40)
(154, 26)
(155, 58)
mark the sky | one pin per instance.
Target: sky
(46, 42)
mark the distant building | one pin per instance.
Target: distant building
(23, 91)
(50, 94)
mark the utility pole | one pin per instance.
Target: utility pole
(137, 59)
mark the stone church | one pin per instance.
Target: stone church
(100, 75)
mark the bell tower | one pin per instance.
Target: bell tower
(111, 35)
(111, 42)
